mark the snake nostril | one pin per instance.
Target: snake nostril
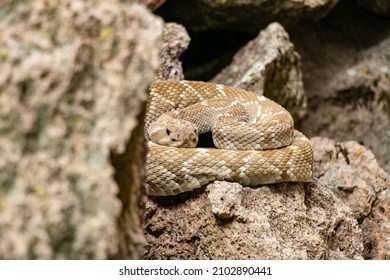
(173, 140)
(168, 131)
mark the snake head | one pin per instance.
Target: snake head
(167, 131)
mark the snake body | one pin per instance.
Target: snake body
(256, 139)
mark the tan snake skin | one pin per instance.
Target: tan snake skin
(256, 141)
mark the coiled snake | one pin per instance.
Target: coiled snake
(255, 139)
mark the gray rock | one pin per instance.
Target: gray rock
(72, 92)
(269, 65)
(243, 15)
(285, 221)
(352, 173)
(176, 41)
(346, 76)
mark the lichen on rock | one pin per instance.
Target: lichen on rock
(74, 77)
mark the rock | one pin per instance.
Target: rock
(353, 174)
(227, 221)
(381, 7)
(225, 199)
(268, 65)
(153, 4)
(348, 81)
(360, 102)
(176, 41)
(72, 92)
(243, 15)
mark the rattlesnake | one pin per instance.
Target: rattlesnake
(262, 147)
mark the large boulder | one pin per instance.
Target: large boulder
(269, 65)
(346, 74)
(242, 15)
(227, 221)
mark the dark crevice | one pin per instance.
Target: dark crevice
(362, 217)
(343, 151)
(209, 52)
(206, 140)
(155, 233)
(357, 97)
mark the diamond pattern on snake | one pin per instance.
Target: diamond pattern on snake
(255, 139)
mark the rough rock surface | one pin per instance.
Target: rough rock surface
(244, 15)
(72, 91)
(227, 221)
(176, 41)
(268, 65)
(352, 173)
(348, 84)
(381, 7)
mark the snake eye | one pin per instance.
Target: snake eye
(168, 131)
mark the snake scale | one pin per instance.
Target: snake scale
(255, 139)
